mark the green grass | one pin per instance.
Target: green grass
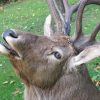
(29, 16)
(10, 87)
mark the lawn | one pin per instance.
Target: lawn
(29, 16)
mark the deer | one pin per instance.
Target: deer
(53, 66)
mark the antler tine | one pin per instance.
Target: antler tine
(94, 32)
(79, 19)
(61, 13)
(97, 28)
(69, 10)
(81, 41)
(94, 2)
(65, 26)
(74, 7)
(83, 3)
(67, 16)
(56, 14)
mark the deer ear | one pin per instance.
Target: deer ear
(47, 26)
(86, 55)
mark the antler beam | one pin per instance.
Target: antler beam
(82, 41)
(61, 12)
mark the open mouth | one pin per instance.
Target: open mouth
(5, 47)
(9, 49)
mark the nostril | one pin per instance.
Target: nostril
(13, 34)
(10, 32)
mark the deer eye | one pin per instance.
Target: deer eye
(57, 55)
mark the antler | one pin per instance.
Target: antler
(69, 10)
(94, 2)
(61, 13)
(55, 15)
(82, 41)
(94, 33)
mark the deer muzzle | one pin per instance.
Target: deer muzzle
(10, 39)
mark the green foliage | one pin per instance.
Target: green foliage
(7, 1)
(4, 1)
(29, 16)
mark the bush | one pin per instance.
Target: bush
(7, 1)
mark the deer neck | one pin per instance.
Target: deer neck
(67, 85)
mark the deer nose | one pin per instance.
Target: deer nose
(9, 32)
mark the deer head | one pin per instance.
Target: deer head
(36, 58)
(42, 60)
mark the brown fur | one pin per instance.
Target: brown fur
(46, 79)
